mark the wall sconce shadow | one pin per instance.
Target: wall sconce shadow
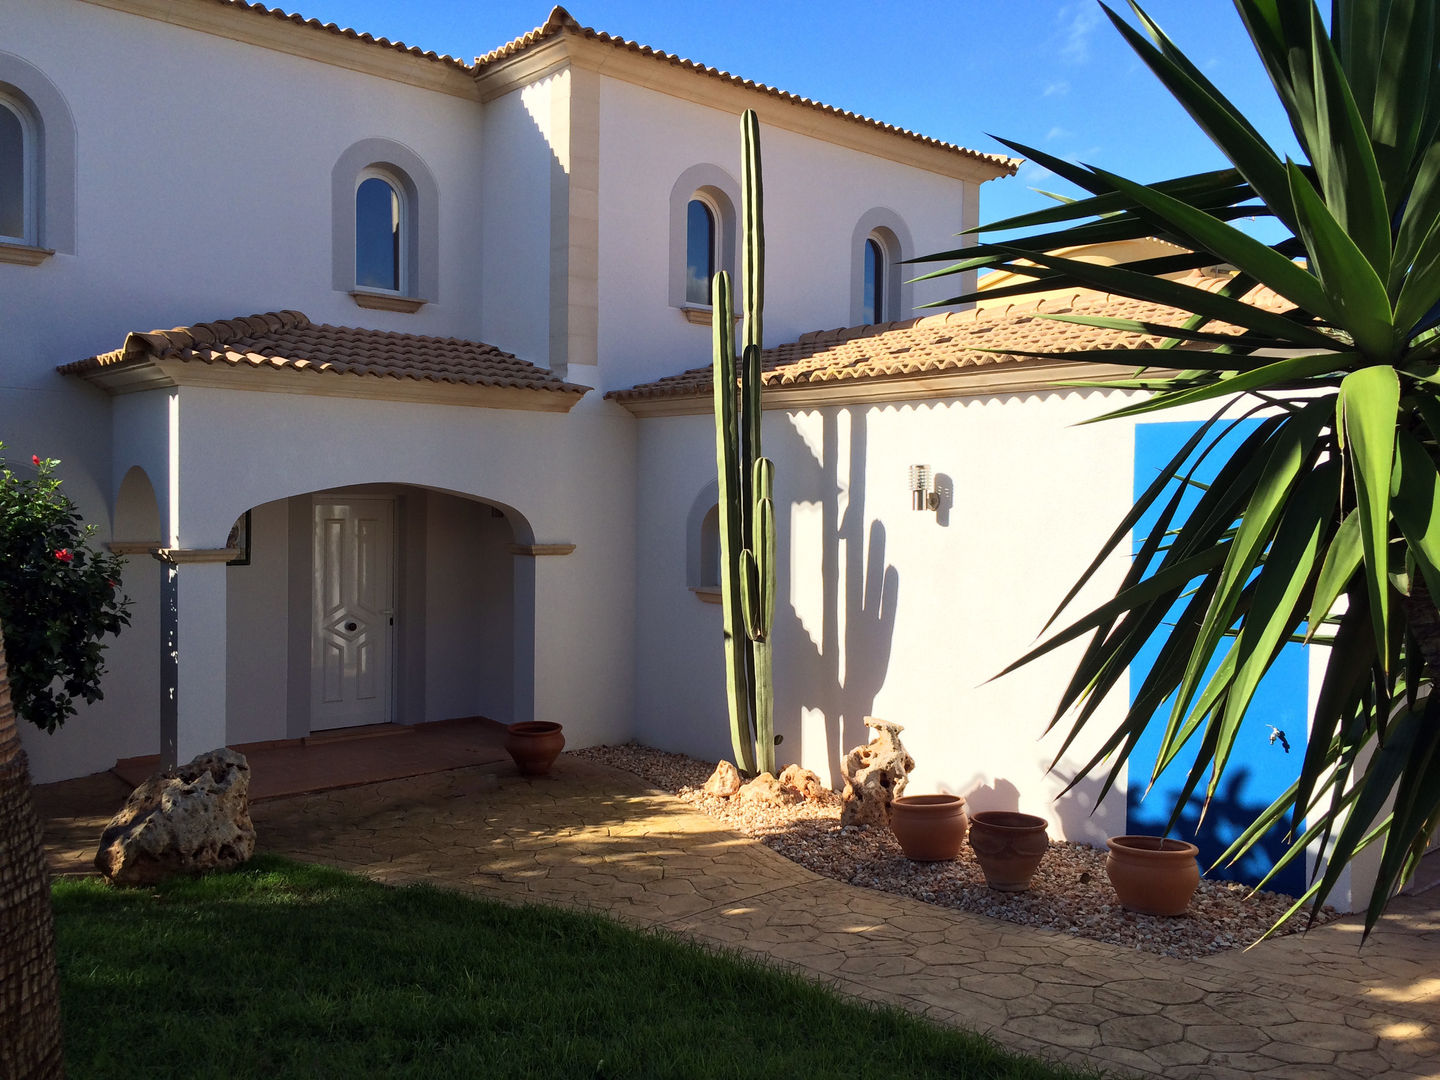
(944, 496)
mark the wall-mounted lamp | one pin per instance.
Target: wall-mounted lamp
(922, 494)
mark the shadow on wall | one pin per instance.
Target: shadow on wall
(1077, 811)
(864, 615)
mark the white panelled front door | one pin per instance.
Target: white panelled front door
(353, 610)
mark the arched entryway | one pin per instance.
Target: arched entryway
(372, 604)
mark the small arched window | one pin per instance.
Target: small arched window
(709, 576)
(872, 303)
(379, 244)
(17, 174)
(699, 251)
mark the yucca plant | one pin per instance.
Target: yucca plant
(1326, 520)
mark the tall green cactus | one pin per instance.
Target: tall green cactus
(746, 481)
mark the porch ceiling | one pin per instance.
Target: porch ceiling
(283, 351)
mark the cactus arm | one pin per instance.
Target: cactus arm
(753, 225)
(737, 661)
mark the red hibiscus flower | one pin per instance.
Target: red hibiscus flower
(64, 555)
(35, 459)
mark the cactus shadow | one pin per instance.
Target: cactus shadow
(859, 596)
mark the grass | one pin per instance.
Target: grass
(287, 970)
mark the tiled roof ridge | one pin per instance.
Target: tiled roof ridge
(561, 21)
(345, 31)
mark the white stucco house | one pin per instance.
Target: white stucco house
(419, 446)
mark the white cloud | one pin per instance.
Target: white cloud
(1077, 29)
(1056, 133)
(1055, 89)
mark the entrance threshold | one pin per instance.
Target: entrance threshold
(348, 757)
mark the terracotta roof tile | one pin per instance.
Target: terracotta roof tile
(949, 342)
(562, 22)
(344, 31)
(288, 340)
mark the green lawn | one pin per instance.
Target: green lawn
(286, 970)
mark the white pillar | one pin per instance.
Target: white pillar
(192, 673)
(545, 665)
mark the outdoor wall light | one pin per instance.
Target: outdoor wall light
(922, 496)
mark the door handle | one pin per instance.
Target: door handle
(351, 627)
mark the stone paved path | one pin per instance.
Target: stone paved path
(1309, 1008)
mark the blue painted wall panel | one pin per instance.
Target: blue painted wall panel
(1259, 767)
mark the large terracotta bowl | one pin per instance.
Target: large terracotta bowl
(534, 744)
(1153, 875)
(930, 828)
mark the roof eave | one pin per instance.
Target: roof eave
(980, 380)
(308, 39)
(135, 375)
(565, 45)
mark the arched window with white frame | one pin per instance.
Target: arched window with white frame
(700, 217)
(385, 227)
(872, 297)
(379, 229)
(18, 173)
(703, 225)
(37, 166)
(879, 246)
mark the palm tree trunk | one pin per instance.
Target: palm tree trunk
(29, 990)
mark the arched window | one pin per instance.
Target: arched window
(385, 227)
(378, 240)
(17, 174)
(703, 224)
(879, 246)
(699, 251)
(37, 166)
(709, 577)
(872, 303)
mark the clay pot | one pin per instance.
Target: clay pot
(1151, 875)
(1009, 846)
(929, 827)
(534, 744)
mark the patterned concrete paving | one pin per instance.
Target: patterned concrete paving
(1308, 1008)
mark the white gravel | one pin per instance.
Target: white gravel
(1070, 891)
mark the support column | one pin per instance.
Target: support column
(192, 655)
(540, 664)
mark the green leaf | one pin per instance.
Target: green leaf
(1174, 294)
(1415, 502)
(1342, 559)
(1365, 418)
(1355, 294)
(1226, 126)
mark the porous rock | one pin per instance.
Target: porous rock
(766, 789)
(803, 782)
(724, 781)
(875, 774)
(184, 820)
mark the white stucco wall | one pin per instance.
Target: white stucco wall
(889, 612)
(579, 490)
(815, 194)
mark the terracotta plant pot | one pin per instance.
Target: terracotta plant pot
(1151, 875)
(1009, 846)
(929, 827)
(534, 744)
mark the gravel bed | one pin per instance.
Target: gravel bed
(1070, 892)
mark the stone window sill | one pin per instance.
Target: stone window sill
(703, 315)
(382, 301)
(24, 254)
(707, 594)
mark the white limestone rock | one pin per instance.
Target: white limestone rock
(185, 820)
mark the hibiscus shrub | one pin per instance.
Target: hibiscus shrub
(59, 596)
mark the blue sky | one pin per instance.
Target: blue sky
(1050, 73)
